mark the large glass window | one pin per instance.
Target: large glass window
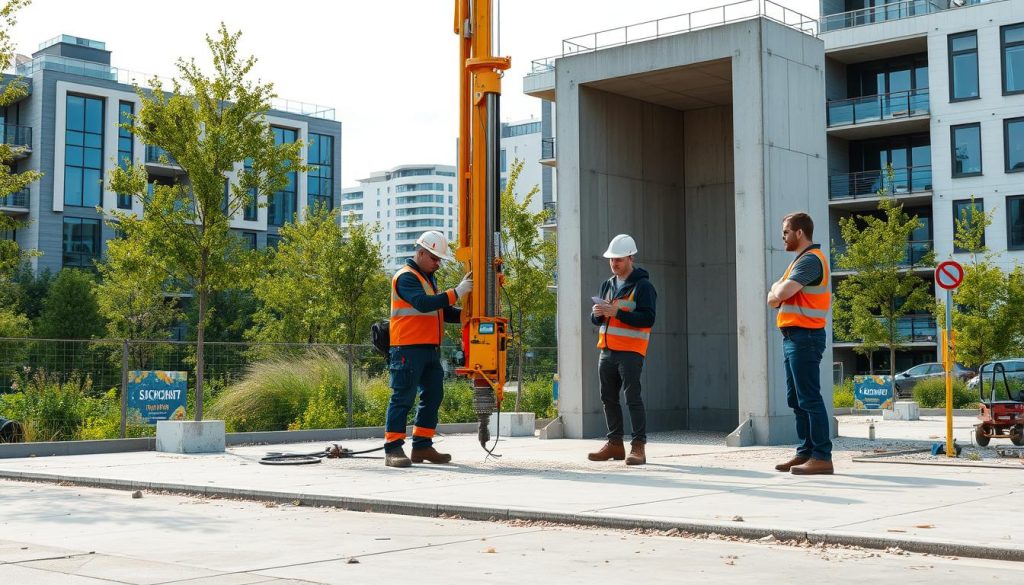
(966, 143)
(963, 210)
(83, 151)
(125, 147)
(1012, 40)
(320, 180)
(963, 66)
(282, 204)
(1013, 144)
(251, 210)
(1015, 222)
(81, 242)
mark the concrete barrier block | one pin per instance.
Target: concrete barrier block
(743, 436)
(903, 410)
(513, 424)
(178, 436)
(555, 429)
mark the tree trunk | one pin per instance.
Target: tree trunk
(871, 363)
(892, 374)
(200, 331)
(519, 368)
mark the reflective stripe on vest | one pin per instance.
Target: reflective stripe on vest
(409, 326)
(808, 308)
(616, 335)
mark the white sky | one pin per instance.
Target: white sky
(388, 67)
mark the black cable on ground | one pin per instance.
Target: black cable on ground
(335, 451)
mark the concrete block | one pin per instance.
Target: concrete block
(903, 410)
(176, 436)
(743, 436)
(553, 430)
(513, 424)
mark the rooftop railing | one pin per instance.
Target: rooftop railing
(917, 328)
(862, 184)
(678, 24)
(915, 252)
(884, 13)
(875, 108)
(17, 135)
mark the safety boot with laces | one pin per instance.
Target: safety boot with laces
(613, 449)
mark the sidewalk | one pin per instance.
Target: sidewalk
(691, 482)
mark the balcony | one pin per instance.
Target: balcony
(898, 112)
(20, 137)
(915, 252)
(551, 221)
(16, 202)
(159, 162)
(917, 329)
(857, 191)
(547, 152)
(885, 13)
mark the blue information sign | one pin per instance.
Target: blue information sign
(158, 395)
(872, 392)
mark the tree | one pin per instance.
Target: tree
(210, 125)
(323, 284)
(70, 309)
(529, 263)
(870, 302)
(988, 304)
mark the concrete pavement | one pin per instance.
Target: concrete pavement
(692, 482)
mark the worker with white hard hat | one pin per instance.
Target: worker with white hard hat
(624, 311)
(418, 315)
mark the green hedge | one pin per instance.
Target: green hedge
(842, 394)
(931, 393)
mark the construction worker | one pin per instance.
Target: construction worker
(802, 298)
(625, 312)
(418, 315)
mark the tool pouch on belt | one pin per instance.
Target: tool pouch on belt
(380, 336)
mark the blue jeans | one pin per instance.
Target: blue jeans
(414, 368)
(803, 349)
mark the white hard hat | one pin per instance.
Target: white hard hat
(434, 242)
(620, 247)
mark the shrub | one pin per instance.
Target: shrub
(842, 394)
(536, 398)
(931, 393)
(457, 405)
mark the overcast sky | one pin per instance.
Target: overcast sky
(388, 67)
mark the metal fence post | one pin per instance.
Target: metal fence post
(350, 391)
(124, 387)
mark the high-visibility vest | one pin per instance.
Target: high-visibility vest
(808, 308)
(409, 326)
(616, 335)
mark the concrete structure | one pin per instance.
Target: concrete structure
(406, 201)
(530, 141)
(697, 144)
(189, 436)
(67, 126)
(902, 80)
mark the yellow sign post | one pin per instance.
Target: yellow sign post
(949, 275)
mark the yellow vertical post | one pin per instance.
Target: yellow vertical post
(947, 359)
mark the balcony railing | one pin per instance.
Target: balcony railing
(552, 208)
(547, 148)
(919, 329)
(874, 108)
(868, 183)
(914, 254)
(16, 199)
(154, 154)
(17, 135)
(884, 13)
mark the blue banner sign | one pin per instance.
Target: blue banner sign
(158, 395)
(872, 392)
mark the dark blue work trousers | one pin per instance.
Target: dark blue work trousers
(803, 349)
(414, 368)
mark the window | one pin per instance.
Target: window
(1013, 144)
(125, 147)
(320, 181)
(282, 204)
(1012, 41)
(1015, 222)
(249, 240)
(963, 210)
(273, 241)
(504, 161)
(966, 149)
(81, 242)
(963, 66)
(251, 210)
(83, 151)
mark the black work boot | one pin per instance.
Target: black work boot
(396, 458)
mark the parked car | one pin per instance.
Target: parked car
(906, 380)
(1014, 368)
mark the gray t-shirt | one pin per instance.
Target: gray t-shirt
(808, 270)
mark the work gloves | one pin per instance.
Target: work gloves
(466, 286)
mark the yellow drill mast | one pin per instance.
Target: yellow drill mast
(485, 331)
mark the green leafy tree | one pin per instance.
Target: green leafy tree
(529, 263)
(323, 284)
(70, 309)
(880, 291)
(230, 314)
(210, 125)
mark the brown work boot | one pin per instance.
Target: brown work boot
(798, 460)
(636, 454)
(813, 467)
(613, 449)
(429, 454)
(396, 459)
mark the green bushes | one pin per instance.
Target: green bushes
(842, 394)
(931, 393)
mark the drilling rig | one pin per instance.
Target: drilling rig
(484, 330)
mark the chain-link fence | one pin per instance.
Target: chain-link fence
(80, 389)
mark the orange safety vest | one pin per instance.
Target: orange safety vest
(409, 326)
(808, 308)
(616, 335)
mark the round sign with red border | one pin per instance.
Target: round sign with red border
(949, 274)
